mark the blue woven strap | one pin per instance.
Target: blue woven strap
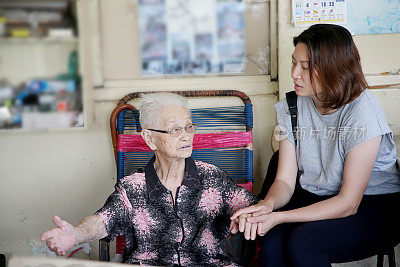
(237, 163)
(128, 120)
(248, 110)
(130, 161)
(235, 117)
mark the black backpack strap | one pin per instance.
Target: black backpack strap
(291, 99)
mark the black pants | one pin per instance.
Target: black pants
(372, 229)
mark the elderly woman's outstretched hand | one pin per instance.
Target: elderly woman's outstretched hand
(61, 238)
(253, 220)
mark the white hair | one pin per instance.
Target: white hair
(153, 104)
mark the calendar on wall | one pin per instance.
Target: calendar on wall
(308, 12)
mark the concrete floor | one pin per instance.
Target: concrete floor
(370, 262)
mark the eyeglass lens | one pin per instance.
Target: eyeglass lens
(178, 130)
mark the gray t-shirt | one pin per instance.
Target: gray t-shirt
(323, 142)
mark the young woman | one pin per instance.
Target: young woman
(335, 192)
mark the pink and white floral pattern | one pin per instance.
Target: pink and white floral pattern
(238, 200)
(209, 241)
(143, 220)
(146, 255)
(135, 180)
(211, 201)
(161, 231)
(124, 198)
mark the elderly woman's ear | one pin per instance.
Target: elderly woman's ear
(148, 137)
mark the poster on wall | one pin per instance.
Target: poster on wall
(308, 12)
(373, 16)
(358, 16)
(153, 41)
(187, 37)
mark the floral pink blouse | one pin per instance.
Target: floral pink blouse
(187, 232)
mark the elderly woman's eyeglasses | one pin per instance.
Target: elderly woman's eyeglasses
(177, 131)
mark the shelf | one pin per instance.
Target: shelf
(39, 39)
(383, 81)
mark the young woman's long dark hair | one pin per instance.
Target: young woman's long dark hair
(334, 62)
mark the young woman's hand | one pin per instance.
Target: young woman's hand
(264, 222)
(263, 207)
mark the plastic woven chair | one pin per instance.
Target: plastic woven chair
(224, 139)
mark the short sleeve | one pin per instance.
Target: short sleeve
(237, 196)
(364, 120)
(284, 121)
(115, 212)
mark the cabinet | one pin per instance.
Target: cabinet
(39, 65)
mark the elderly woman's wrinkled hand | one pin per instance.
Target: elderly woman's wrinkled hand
(61, 238)
(237, 224)
(240, 223)
(249, 220)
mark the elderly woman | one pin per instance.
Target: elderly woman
(173, 212)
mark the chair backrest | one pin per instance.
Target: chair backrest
(224, 136)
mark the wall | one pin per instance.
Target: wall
(121, 70)
(70, 172)
(56, 172)
(379, 53)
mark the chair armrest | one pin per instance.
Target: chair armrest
(104, 250)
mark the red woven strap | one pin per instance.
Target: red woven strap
(248, 186)
(131, 143)
(120, 245)
(135, 142)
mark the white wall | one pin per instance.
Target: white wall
(71, 172)
(379, 53)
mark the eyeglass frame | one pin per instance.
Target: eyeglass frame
(195, 125)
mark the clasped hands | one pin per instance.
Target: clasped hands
(254, 220)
